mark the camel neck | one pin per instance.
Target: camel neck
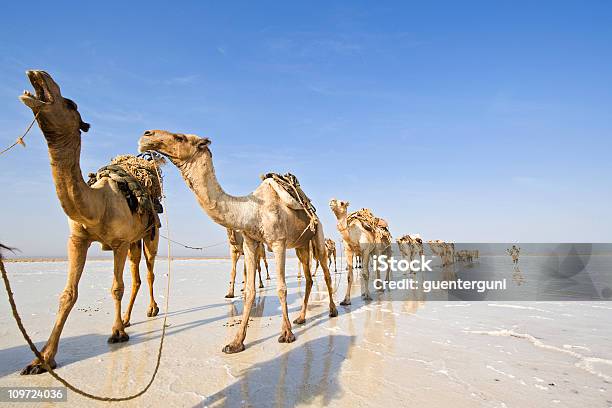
(343, 225)
(76, 197)
(224, 209)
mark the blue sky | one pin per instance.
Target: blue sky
(466, 121)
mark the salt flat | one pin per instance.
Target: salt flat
(410, 352)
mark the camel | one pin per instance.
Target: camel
(330, 248)
(331, 251)
(359, 240)
(99, 212)
(269, 215)
(514, 252)
(236, 241)
(443, 250)
(410, 246)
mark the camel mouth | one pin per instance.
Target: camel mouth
(146, 144)
(42, 94)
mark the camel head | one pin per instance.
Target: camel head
(338, 207)
(57, 116)
(178, 147)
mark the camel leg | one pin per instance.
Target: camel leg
(365, 274)
(250, 248)
(349, 255)
(244, 276)
(280, 251)
(335, 268)
(299, 267)
(235, 255)
(118, 334)
(389, 254)
(77, 253)
(150, 252)
(134, 255)
(304, 258)
(263, 256)
(258, 263)
(320, 253)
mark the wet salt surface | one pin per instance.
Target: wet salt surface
(401, 352)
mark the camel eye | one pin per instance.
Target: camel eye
(179, 138)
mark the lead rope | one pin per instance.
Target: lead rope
(19, 140)
(37, 353)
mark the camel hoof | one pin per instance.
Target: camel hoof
(299, 320)
(261, 285)
(366, 297)
(286, 338)
(229, 296)
(333, 312)
(268, 278)
(35, 367)
(345, 303)
(119, 337)
(153, 311)
(231, 349)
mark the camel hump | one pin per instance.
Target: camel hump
(284, 195)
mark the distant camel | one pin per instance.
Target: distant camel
(331, 252)
(360, 239)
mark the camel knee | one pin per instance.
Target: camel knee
(117, 291)
(282, 291)
(68, 298)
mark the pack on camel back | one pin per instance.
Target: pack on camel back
(137, 178)
(378, 226)
(292, 195)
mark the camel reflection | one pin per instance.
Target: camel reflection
(517, 276)
(308, 374)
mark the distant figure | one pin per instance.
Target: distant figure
(514, 253)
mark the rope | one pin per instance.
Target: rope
(37, 353)
(189, 246)
(19, 140)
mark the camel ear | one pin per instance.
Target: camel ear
(84, 126)
(203, 144)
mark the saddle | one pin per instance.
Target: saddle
(378, 226)
(288, 188)
(137, 179)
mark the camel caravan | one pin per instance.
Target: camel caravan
(120, 204)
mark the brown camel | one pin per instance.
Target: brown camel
(331, 252)
(95, 213)
(444, 250)
(269, 214)
(410, 246)
(236, 241)
(361, 240)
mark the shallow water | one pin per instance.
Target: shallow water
(397, 352)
